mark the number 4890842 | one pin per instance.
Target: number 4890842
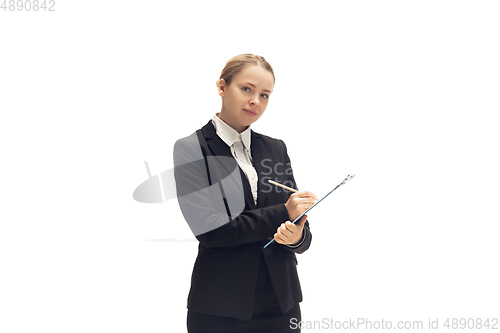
(28, 5)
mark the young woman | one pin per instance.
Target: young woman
(222, 172)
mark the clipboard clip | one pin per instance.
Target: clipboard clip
(348, 178)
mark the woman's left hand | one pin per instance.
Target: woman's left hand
(289, 233)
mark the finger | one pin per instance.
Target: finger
(308, 204)
(301, 221)
(290, 226)
(278, 239)
(283, 231)
(286, 234)
(305, 206)
(304, 194)
(306, 201)
(294, 228)
(279, 232)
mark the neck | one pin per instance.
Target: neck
(229, 121)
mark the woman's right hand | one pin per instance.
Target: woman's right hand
(298, 203)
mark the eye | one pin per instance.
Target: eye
(246, 89)
(265, 96)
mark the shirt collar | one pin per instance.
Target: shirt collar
(229, 135)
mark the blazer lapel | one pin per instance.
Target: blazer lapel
(220, 148)
(258, 155)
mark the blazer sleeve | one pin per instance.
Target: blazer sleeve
(305, 242)
(206, 211)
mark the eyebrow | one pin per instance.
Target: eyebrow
(254, 87)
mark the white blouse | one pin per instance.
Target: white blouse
(240, 148)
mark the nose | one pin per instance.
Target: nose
(255, 100)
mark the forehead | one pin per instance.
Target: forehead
(257, 75)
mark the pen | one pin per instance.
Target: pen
(285, 187)
(280, 185)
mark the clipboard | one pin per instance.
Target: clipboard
(346, 179)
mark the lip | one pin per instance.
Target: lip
(250, 112)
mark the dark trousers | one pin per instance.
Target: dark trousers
(266, 315)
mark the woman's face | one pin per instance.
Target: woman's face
(246, 98)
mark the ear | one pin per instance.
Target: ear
(221, 85)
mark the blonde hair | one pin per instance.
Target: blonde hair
(236, 64)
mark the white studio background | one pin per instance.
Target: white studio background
(404, 93)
